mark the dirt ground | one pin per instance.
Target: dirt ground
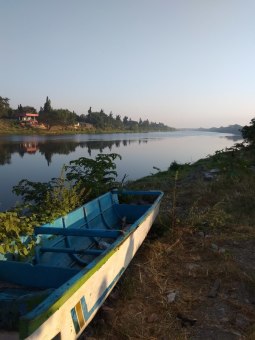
(184, 283)
(213, 291)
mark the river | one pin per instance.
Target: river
(39, 158)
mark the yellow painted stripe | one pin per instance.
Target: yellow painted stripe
(80, 314)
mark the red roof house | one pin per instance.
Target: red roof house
(28, 118)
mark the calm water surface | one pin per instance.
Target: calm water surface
(39, 158)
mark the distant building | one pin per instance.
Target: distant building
(28, 118)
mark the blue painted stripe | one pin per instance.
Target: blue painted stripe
(75, 320)
(87, 313)
(77, 232)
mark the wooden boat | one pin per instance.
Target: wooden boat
(78, 260)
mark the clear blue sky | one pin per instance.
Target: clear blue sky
(187, 63)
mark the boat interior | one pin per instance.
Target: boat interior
(66, 246)
(72, 242)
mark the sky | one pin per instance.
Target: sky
(186, 63)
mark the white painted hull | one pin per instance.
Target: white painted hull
(87, 299)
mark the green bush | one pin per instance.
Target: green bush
(99, 174)
(44, 202)
(248, 132)
(13, 227)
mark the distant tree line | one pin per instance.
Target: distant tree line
(235, 129)
(101, 120)
(98, 119)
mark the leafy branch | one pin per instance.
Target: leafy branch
(98, 174)
(44, 202)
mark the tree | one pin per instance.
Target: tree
(125, 120)
(98, 119)
(118, 121)
(45, 112)
(248, 132)
(20, 108)
(47, 106)
(81, 118)
(4, 107)
(26, 109)
(62, 117)
(146, 124)
(52, 116)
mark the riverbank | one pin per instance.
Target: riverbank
(194, 276)
(10, 127)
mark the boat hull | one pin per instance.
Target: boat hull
(72, 317)
(67, 311)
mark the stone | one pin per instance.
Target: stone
(208, 176)
(215, 171)
(171, 296)
(211, 174)
(201, 234)
(214, 247)
(222, 250)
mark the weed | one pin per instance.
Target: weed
(174, 166)
(208, 218)
(173, 212)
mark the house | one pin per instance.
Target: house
(28, 118)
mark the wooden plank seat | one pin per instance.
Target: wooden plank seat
(71, 251)
(77, 232)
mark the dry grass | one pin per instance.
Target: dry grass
(7, 126)
(184, 263)
(214, 245)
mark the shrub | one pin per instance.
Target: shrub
(44, 202)
(99, 174)
(248, 132)
(12, 228)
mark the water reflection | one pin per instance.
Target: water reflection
(29, 147)
(61, 147)
(31, 157)
(48, 148)
(234, 138)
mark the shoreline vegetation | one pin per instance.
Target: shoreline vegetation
(194, 275)
(49, 121)
(10, 127)
(234, 129)
(26, 120)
